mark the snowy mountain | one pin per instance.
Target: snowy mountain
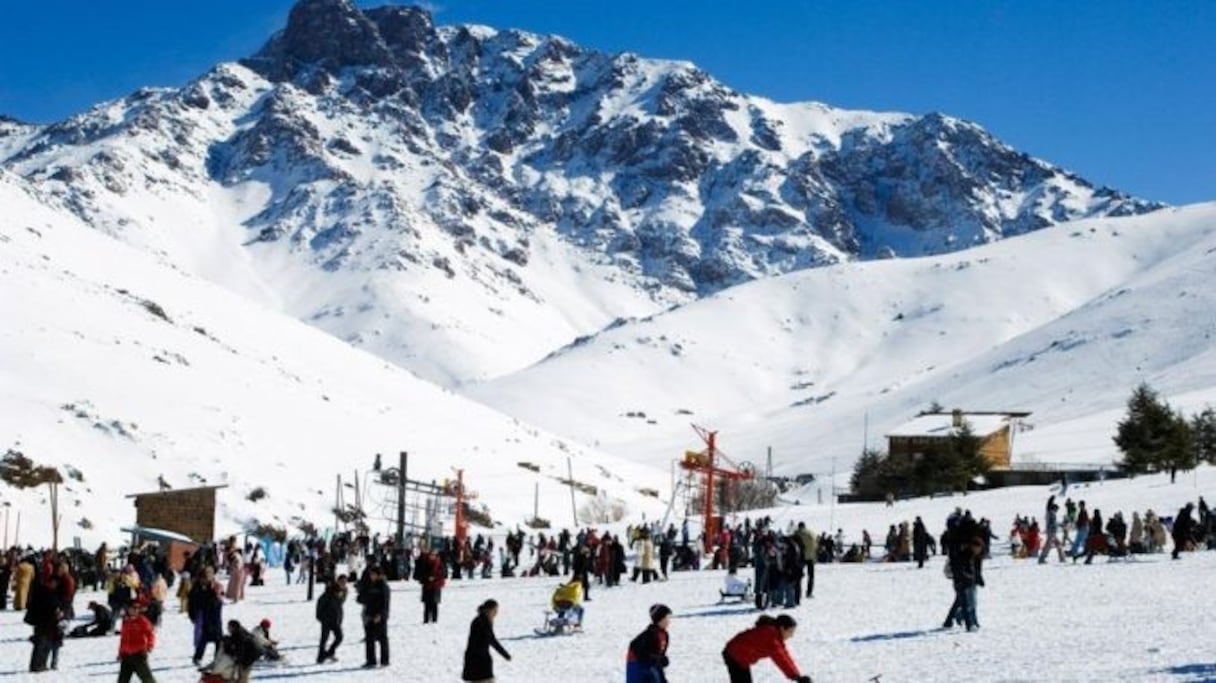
(119, 370)
(463, 200)
(1064, 323)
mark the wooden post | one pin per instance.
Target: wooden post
(570, 475)
(54, 515)
(461, 524)
(337, 504)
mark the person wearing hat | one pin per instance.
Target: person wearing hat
(478, 665)
(135, 643)
(268, 645)
(647, 656)
(766, 640)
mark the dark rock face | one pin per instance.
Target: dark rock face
(330, 33)
(652, 166)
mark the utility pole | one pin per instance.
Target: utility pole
(570, 478)
(865, 434)
(337, 504)
(832, 494)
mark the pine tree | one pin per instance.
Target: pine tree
(866, 473)
(1144, 433)
(1203, 428)
(965, 461)
(1178, 451)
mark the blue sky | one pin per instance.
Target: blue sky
(1123, 93)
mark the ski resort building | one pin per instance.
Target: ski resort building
(189, 512)
(930, 432)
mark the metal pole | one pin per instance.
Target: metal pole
(535, 500)
(710, 525)
(17, 534)
(337, 503)
(401, 501)
(570, 476)
(865, 434)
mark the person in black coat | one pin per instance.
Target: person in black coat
(330, 614)
(374, 597)
(43, 613)
(206, 610)
(1183, 529)
(582, 568)
(920, 543)
(478, 665)
(647, 656)
(102, 624)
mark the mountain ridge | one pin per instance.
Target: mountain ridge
(366, 164)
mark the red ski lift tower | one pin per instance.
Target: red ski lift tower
(712, 463)
(455, 489)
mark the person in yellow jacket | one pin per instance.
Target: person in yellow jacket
(569, 598)
(22, 579)
(810, 553)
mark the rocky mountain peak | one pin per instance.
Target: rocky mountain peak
(408, 31)
(328, 33)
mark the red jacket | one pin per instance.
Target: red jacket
(137, 638)
(755, 644)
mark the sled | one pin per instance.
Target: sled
(558, 624)
(745, 596)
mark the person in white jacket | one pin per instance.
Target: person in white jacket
(646, 564)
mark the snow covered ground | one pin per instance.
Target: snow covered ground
(1144, 619)
(119, 375)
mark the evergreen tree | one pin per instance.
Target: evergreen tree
(1178, 452)
(1143, 434)
(1203, 428)
(965, 461)
(866, 472)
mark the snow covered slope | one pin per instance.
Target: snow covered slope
(125, 371)
(1063, 322)
(462, 200)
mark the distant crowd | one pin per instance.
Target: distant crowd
(141, 584)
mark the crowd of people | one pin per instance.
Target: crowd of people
(139, 582)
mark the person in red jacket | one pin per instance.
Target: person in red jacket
(764, 640)
(137, 640)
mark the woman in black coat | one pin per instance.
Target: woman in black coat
(478, 666)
